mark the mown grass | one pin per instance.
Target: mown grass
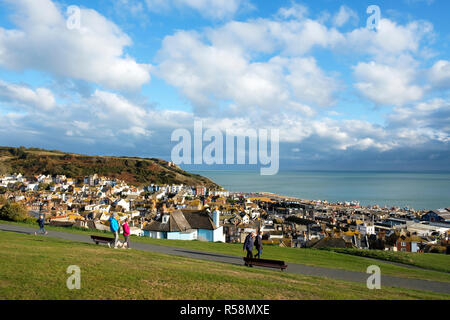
(311, 257)
(34, 267)
(431, 261)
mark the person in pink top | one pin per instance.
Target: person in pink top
(126, 233)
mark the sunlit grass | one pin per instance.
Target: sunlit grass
(34, 267)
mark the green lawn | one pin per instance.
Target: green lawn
(312, 257)
(34, 267)
(431, 261)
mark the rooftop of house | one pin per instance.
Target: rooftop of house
(410, 238)
(180, 221)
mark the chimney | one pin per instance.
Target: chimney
(216, 218)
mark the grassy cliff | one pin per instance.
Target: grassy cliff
(136, 171)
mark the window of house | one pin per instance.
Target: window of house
(403, 249)
(403, 244)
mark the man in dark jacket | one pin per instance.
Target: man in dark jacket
(258, 245)
(248, 244)
(41, 222)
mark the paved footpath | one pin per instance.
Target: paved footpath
(339, 274)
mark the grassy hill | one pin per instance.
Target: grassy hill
(34, 267)
(429, 266)
(136, 171)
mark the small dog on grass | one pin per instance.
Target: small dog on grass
(122, 245)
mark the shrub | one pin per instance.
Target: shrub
(13, 212)
(438, 249)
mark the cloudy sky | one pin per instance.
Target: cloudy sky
(342, 95)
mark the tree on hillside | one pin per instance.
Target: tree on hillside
(43, 186)
(299, 220)
(20, 152)
(13, 212)
(4, 169)
(278, 220)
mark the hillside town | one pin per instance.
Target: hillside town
(182, 212)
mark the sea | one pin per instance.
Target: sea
(415, 190)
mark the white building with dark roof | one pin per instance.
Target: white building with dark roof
(180, 225)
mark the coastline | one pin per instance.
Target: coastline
(420, 190)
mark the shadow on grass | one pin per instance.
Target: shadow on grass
(205, 254)
(16, 231)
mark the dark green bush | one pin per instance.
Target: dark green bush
(13, 212)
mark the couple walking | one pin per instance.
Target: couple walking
(253, 240)
(115, 227)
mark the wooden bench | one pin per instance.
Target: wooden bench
(99, 239)
(277, 264)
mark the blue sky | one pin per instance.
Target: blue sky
(342, 96)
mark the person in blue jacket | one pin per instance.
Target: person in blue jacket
(41, 222)
(248, 244)
(114, 227)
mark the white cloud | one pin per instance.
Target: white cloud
(424, 121)
(390, 38)
(115, 115)
(216, 67)
(321, 135)
(296, 11)
(439, 74)
(344, 15)
(387, 85)
(258, 73)
(416, 127)
(137, 131)
(290, 33)
(23, 96)
(309, 83)
(109, 119)
(223, 65)
(94, 53)
(134, 7)
(116, 109)
(215, 9)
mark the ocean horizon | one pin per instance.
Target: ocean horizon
(418, 190)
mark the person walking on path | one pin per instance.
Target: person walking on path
(126, 233)
(248, 244)
(258, 245)
(114, 227)
(41, 222)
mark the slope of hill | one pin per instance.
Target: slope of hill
(35, 268)
(133, 170)
(432, 267)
